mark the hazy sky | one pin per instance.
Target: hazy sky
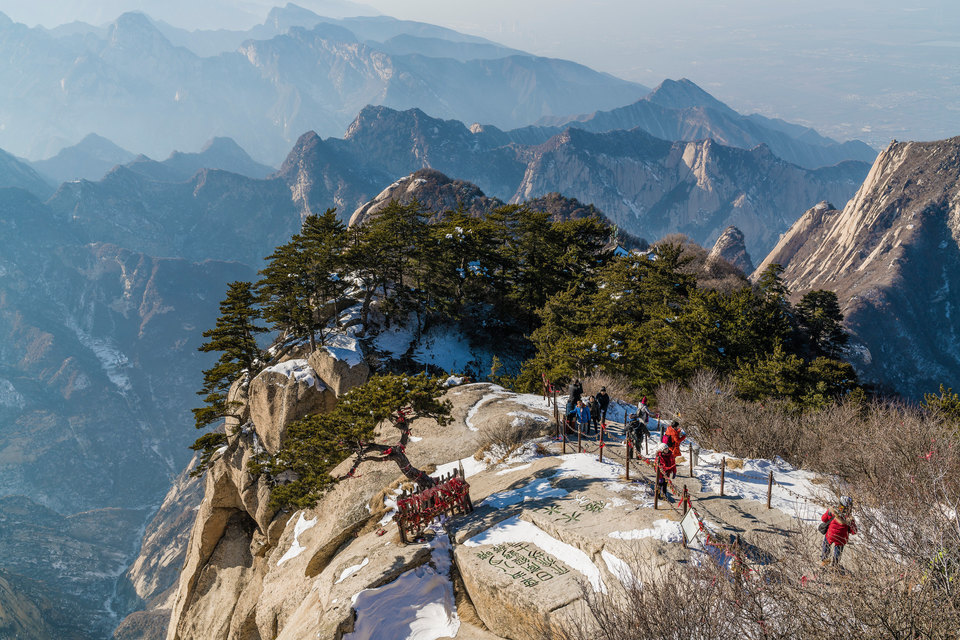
(871, 69)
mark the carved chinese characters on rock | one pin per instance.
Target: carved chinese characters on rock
(523, 562)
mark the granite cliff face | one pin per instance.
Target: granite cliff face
(892, 254)
(651, 187)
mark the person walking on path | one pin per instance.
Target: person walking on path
(673, 437)
(574, 392)
(643, 411)
(840, 526)
(583, 418)
(667, 465)
(594, 412)
(604, 401)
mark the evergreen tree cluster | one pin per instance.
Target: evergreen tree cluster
(644, 317)
(487, 275)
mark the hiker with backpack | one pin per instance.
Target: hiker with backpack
(837, 525)
(673, 436)
(637, 432)
(574, 392)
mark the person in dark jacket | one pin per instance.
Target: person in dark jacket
(594, 412)
(841, 527)
(604, 401)
(574, 391)
(638, 432)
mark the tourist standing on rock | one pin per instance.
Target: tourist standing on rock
(594, 412)
(667, 465)
(604, 401)
(840, 525)
(583, 418)
(574, 392)
(673, 437)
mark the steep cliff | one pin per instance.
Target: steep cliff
(893, 257)
(651, 187)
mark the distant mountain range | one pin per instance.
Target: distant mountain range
(94, 156)
(300, 71)
(265, 87)
(648, 186)
(680, 110)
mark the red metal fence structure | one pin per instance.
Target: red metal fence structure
(416, 510)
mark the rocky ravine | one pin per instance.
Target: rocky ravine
(339, 570)
(893, 257)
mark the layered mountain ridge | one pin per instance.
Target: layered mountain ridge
(303, 74)
(648, 186)
(680, 110)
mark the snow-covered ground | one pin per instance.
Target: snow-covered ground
(298, 370)
(663, 529)
(419, 605)
(796, 492)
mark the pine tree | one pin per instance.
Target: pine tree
(818, 313)
(322, 244)
(284, 291)
(234, 336)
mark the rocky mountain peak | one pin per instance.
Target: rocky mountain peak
(683, 94)
(432, 189)
(307, 148)
(895, 245)
(730, 246)
(135, 30)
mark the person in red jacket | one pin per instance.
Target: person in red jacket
(841, 527)
(667, 464)
(673, 436)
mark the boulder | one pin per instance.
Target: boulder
(237, 395)
(340, 364)
(515, 586)
(283, 393)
